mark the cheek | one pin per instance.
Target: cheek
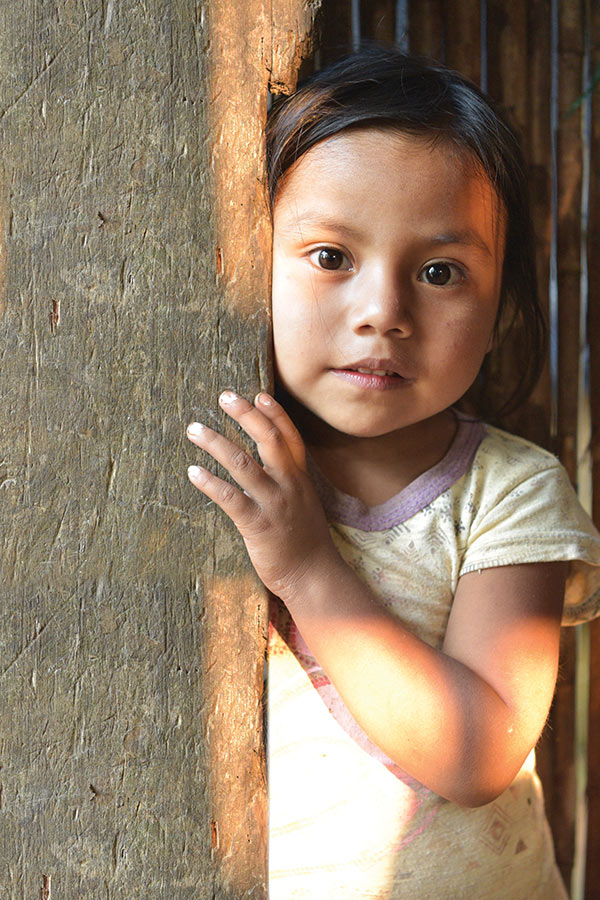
(298, 320)
(283, 306)
(466, 340)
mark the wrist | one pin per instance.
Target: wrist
(322, 576)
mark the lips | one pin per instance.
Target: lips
(375, 366)
(374, 374)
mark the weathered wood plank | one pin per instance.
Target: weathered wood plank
(425, 28)
(507, 58)
(537, 147)
(508, 62)
(335, 30)
(378, 20)
(569, 227)
(462, 29)
(593, 251)
(568, 273)
(260, 47)
(126, 307)
(100, 632)
(535, 420)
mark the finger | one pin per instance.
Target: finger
(238, 506)
(270, 442)
(277, 414)
(240, 465)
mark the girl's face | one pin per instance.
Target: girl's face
(387, 263)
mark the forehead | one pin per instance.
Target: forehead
(358, 173)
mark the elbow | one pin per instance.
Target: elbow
(484, 770)
(472, 797)
(475, 787)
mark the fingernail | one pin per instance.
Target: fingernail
(194, 471)
(228, 397)
(195, 429)
(264, 399)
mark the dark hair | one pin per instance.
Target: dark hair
(383, 87)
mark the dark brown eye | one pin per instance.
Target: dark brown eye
(330, 259)
(438, 273)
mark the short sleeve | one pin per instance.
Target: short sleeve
(536, 519)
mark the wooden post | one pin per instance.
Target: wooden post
(135, 287)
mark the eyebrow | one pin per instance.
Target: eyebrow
(316, 220)
(467, 237)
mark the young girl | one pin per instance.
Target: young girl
(419, 557)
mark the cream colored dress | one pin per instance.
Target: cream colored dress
(345, 821)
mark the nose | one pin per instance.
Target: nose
(382, 304)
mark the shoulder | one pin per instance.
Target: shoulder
(509, 467)
(513, 456)
(522, 508)
(511, 480)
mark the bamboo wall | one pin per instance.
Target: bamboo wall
(537, 59)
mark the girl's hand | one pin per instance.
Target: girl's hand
(275, 508)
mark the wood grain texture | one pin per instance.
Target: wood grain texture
(569, 170)
(593, 251)
(426, 28)
(335, 31)
(537, 146)
(508, 60)
(462, 29)
(507, 57)
(535, 420)
(131, 627)
(569, 226)
(378, 20)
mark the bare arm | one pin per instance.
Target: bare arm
(460, 720)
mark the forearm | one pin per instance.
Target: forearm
(431, 714)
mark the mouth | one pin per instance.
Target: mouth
(391, 373)
(374, 373)
(389, 368)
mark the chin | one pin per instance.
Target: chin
(363, 430)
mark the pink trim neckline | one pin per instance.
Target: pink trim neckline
(344, 509)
